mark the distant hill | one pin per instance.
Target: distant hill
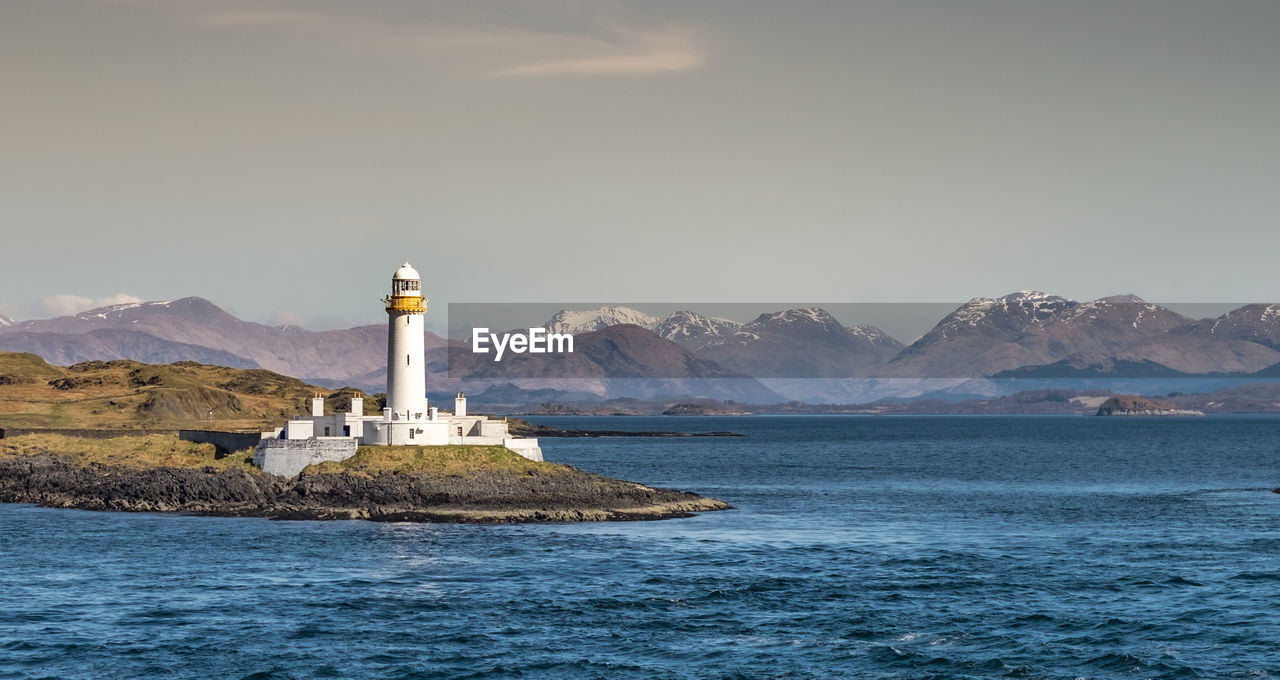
(793, 343)
(115, 343)
(126, 394)
(802, 343)
(1087, 365)
(991, 336)
(181, 326)
(626, 359)
(1252, 323)
(1032, 334)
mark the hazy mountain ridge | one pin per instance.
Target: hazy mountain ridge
(1024, 334)
(1259, 323)
(333, 355)
(625, 360)
(108, 344)
(1029, 330)
(802, 343)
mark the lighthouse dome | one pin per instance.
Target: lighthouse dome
(406, 272)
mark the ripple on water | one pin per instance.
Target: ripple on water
(883, 548)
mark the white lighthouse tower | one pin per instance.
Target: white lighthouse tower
(406, 351)
(308, 439)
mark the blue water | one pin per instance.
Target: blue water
(860, 547)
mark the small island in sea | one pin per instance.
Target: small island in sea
(1133, 405)
(476, 484)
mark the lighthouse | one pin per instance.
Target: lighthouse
(406, 352)
(405, 421)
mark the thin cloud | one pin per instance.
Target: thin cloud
(635, 54)
(500, 49)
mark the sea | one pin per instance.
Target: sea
(858, 547)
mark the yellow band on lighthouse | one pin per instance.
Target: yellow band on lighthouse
(406, 304)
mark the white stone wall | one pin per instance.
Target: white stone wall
(526, 447)
(299, 429)
(288, 457)
(424, 433)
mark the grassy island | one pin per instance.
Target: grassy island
(101, 435)
(477, 484)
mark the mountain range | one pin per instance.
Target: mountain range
(621, 352)
(1033, 333)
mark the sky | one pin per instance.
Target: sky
(282, 157)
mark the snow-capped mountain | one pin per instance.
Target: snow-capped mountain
(996, 317)
(1255, 323)
(1129, 336)
(117, 312)
(802, 343)
(1103, 326)
(694, 331)
(5, 321)
(795, 343)
(1128, 311)
(1021, 332)
(588, 320)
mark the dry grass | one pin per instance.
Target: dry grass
(131, 395)
(135, 452)
(437, 461)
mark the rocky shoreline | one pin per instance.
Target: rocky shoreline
(482, 497)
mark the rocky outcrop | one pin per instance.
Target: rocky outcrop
(1131, 405)
(704, 409)
(489, 496)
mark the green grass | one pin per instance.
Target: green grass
(112, 395)
(440, 461)
(136, 452)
